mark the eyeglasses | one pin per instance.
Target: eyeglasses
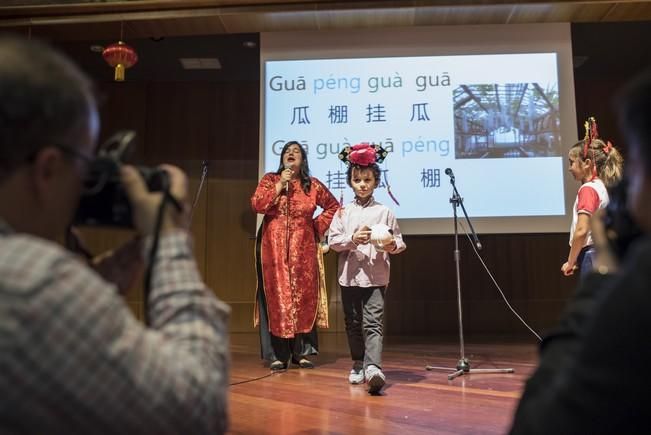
(93, 181)
(88, 160)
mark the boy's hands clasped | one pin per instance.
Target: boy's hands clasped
(363, 236)
(391, 246)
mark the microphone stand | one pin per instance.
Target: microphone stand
(287, 238)
(463, 365)
(204, 173)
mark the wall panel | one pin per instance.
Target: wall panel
(188, 122)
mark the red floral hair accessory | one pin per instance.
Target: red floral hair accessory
(363, 154)
(591, 133)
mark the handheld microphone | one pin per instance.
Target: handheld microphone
(287, 166)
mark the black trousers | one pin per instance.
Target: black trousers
(274, 348)
(363, 315)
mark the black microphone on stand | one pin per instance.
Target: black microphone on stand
(448, 172)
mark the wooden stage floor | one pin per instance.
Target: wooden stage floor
(414, 401)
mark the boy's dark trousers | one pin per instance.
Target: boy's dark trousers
(363, 315)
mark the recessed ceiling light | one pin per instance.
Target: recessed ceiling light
(200, 63)
(249, 44)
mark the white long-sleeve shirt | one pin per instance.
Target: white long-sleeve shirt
(362, 265)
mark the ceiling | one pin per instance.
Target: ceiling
(162, 31)
(75, 20)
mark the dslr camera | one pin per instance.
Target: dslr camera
(621, 229)
(104, 201)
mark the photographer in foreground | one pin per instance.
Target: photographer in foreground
(73, 359)
(592, 375)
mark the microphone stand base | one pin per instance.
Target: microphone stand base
(463, 368)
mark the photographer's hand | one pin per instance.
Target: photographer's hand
(146, 204)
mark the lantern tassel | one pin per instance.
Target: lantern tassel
(119, 72)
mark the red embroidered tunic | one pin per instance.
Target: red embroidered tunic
(288, 251)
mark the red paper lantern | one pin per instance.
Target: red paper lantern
(120, 56)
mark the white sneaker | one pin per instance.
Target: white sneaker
(356, 375)
(375, 379)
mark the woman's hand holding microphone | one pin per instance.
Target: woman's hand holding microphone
(285, 176)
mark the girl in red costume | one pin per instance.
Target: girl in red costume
(598, 166)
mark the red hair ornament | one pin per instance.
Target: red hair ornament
(365, 154)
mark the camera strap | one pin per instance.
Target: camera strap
(167, 198)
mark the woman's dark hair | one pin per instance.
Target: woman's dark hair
(304, 170)
(373, 167)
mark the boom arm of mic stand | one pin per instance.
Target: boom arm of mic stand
(472, 229)
(204, 173)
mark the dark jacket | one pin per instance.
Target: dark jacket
(593, 373)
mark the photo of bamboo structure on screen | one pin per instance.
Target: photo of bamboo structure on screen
(506, 120)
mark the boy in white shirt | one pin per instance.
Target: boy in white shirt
(364, 263)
